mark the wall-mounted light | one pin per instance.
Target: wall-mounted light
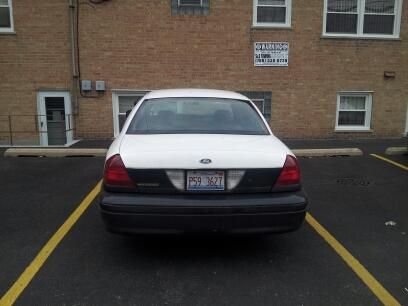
(389, 74)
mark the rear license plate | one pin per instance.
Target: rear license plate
(205, 180)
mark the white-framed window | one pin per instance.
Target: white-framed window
(198, 3)
(354, 111)
(272, 13)
(6, 16)
(123, 101)
(362, 18)
(190, 7)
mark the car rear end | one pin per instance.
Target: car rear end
(239, 183)
(158, 200)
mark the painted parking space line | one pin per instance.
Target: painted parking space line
(25, 278)
(390, 161)
(380, 292)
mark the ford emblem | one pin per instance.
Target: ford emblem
(206, 161)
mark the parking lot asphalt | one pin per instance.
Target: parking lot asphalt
(361, 201)
(36, 196)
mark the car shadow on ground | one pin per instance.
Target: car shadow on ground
(203, 247)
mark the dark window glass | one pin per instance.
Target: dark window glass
(341, 23)
(379, 24)
(190, 2)
(55, 103)
(196, 116)
(351, 118)
(5, 17)
(190, 7)
(271, 14)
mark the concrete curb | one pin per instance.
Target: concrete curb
(327, 152)
(49, 152)
(396, 151)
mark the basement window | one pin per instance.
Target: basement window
(353, 111)
(196, 3)
(272, 13)
(262, 100)
(6, 16)
(190, 7)
(362, 18)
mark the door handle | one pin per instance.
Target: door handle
(42, 123)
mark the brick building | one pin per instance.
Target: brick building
(316, 68)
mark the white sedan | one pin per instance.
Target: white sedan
(197, 160)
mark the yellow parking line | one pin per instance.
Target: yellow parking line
(390, 161)
(382, 294)
(25, 278)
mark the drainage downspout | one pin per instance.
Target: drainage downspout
(74, 76)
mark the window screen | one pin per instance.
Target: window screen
(271, 11)
(190, 7)
(379, 16)
(5, 14)
(362, 18)
(190, 3)
(354, 111)
(342, 16)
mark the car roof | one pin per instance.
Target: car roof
(194, 92)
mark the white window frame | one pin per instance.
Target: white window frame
(360, 23)
(11, 28)
(288, 17)
(191, 5)
(368, 95)
(116, 93)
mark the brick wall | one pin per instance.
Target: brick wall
(141, 45)
(36, 57)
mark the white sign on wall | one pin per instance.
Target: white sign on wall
(271, 54)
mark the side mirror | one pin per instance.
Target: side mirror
(128, 112)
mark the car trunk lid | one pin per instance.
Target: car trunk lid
(187, 151)
(148, 159)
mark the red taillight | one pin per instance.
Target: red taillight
(116, 174)
(290, 174)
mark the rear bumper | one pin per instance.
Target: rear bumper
(205, 213)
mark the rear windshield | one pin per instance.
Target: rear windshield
(196, 116)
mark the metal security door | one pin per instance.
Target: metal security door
(55, 111)
(55, 120)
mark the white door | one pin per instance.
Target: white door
(122, 102)
(55, 123)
